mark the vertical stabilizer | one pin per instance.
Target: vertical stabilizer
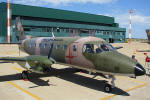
(21, 35)
(148, 34)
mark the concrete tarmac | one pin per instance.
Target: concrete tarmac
(67, 84)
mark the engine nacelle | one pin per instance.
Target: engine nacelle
(38, 64)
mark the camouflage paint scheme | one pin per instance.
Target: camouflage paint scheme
(107, 62)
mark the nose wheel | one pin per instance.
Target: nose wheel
(108, 88)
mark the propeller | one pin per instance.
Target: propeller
(50, 51)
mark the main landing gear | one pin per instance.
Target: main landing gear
(108, 88)
(25, 75)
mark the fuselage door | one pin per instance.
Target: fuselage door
(74, 49)
(72, 52)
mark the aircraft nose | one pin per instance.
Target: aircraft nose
(139, 70)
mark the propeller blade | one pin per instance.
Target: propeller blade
(19, 49)
(50, 51)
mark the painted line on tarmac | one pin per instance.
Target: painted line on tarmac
(128, 90)
(19, 69)
(15, 85)
(108, 97)
(25, 91)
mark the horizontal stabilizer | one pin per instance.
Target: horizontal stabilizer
(143, 51)
(118, 47)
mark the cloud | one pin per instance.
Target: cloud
(58, 2)
(139, 19)
(123, 19)
(140, 22)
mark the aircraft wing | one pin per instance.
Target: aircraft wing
(143, 51)
(12, 59)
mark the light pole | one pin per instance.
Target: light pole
(130, 27)
(8, 21)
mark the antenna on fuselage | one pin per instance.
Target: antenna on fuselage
(51, 48)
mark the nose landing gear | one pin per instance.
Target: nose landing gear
(25, 75)
(108, 88)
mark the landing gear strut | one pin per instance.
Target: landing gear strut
(25, 75)
(108, 88)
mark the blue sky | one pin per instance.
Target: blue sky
(115, 8)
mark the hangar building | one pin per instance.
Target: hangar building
(40, 21)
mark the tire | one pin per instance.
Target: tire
(24, 75)
(107, 88)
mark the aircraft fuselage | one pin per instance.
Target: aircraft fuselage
(90, 53)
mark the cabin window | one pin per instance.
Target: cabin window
(64, 47)
(30, 45)
(88, 48)
(45, 45)
(74, 48)
(40, 45)
(57, 46)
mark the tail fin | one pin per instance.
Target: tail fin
(21, 35)
(148, 34)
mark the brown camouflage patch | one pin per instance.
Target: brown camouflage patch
(76, 57)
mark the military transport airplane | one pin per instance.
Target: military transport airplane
(87, 53)
(148, 37)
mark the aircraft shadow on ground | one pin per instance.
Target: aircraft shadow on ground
(67, 74)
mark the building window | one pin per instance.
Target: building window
(67, 30)
(71, 30)
(105, 33)
(58, 29)
(49, 30)
(63, 30)
(27, 29)
(123, 33)
(55, 29)
(118, 33)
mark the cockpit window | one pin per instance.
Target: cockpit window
(110, 47)
(88, 48)
(97, 48)
(91, 48)
(104, 47)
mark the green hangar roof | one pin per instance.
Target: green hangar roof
(33, 11)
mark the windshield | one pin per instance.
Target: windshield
(93, 48)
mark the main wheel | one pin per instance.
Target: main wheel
(24, 75)
(107, 88)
